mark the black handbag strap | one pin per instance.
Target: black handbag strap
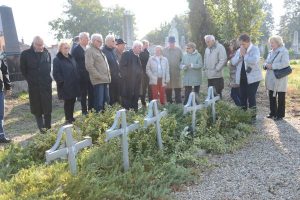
(275, 57)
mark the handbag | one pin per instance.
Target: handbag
(280, 73)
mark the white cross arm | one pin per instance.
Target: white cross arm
(82, 144)
(114, 133)
(187, 109)
(151, 120)
(52, 155)
(208, 102)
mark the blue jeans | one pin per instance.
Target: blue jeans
(235, 95)
(1, 111)
(101, 95)
(248, 95)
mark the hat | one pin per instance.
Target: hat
(171, 39)
(120, 41)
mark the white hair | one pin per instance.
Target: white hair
(37, 39)
(109, 37)
(209, 38)
(83, 34)
(96, 36)
(137, 43)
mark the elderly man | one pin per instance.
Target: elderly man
(86, 87)
(97, 66)
(131, 73)
(113, 63)
(174, 56)
(35, 64)
(120, 48)
(215, 58)
(144, 56)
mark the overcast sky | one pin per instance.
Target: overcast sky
(31, 21)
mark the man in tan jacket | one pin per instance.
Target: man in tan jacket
(215, 58)
(96, 65)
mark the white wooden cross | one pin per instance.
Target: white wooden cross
(211, 101)
(154, 116)
(115, 131)
(71, 149)
(191, 106)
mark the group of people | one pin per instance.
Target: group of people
(245, 74)
(98, 73)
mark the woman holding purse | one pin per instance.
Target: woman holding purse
(278, 58)
(157, 70)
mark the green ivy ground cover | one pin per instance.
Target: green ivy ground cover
(153, 174)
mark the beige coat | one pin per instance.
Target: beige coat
(174, 57)
(152, 70)
(281, 61)
(97, 66)
(215, 59)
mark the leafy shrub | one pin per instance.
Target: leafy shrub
(152, 174)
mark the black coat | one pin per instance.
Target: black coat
(4, 81)
(79, 56)
(112, 62)
(66, 76)
(36, 68)
(144, 56)
(131, 73)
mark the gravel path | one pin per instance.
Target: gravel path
(267, 168)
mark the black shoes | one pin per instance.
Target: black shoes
(278, 118)
(4, 139)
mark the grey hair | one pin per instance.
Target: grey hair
(277, 39)
(209, 38)
(37, 39)
(83, 34)
(191, 45)
(145, 42)
(159, 47)
(137, 43)
(109, 37)
(96, 36)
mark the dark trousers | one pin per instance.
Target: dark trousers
(101, 95)
(114, 92)
(235, 95)
(177, 95)
(248, 95)
(43, 121)
(130, 102)
(87, 90)
(145, 87)
(188, 90)
(218, 84)
(277, 109)
(69, 109)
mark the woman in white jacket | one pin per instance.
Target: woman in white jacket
(158, 72)
(248, 72)
(278, 58)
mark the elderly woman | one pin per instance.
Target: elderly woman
(191, 65)
(248, 72)
(278, 58)
(157, 70)
(67, 79)
(235, 87)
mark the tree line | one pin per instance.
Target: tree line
(226, 19)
